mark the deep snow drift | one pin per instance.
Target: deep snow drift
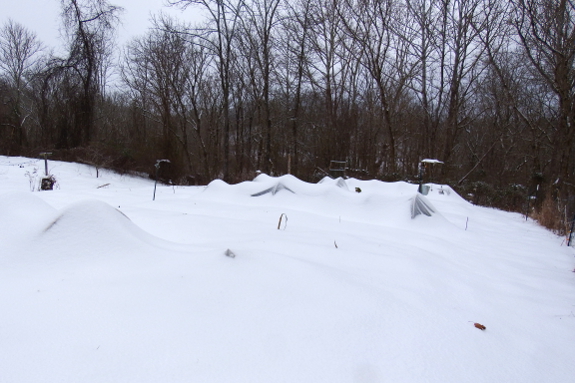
(98, 283)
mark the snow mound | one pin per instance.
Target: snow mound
(373, 201)
(96, 226)
(339, 182)
(217, 185)
(285, 182)
(21, 215)
(273, 190)
(264, 184)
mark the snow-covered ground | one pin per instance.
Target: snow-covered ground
(98, 283)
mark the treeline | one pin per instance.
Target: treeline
(487, 86)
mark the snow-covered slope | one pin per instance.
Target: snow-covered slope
(98, 283)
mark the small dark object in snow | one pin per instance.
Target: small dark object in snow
(480, 326)
(47, 183)
(357, 190)
(230, 253)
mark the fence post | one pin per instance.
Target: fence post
(571, 231)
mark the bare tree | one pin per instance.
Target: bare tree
(446, 41)
(382, 49)
(168, 73)
(260, 17)
(423, 16)
(329, 69)
(219, 37)
(154, 69)
(19, 50)
(88, 25)
(498, 144)
(461, 56)
(546, 31)
(291, 72)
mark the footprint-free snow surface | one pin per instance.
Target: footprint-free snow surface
(273, 280)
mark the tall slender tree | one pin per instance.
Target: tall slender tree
(89, 26)
(219, 37)
(19, 53)
(546, 31)
(259, 20)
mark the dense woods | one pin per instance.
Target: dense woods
(278, 86)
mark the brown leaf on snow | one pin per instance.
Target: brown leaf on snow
(479, 326)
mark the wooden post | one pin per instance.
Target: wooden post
(46, 154)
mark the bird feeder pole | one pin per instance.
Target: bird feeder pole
(157, 165)
(46, 154)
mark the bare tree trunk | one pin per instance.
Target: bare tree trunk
(547, 35)
(89, 27)
(19, 49)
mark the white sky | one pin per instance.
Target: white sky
(42, 17)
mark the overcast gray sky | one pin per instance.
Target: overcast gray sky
(42, 17)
